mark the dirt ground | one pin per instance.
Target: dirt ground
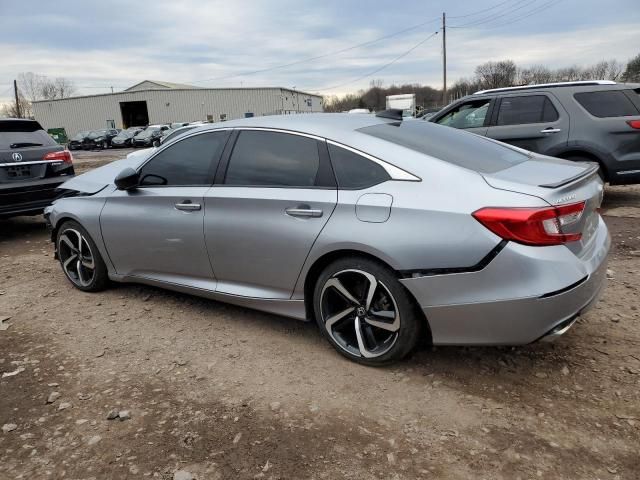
(223, 392)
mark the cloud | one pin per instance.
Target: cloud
(119, 43)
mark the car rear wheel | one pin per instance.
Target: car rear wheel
(80, 259)
(364, 311)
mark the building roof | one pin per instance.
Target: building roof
(151, 84)
(129, 91)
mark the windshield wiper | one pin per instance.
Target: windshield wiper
(24, 144)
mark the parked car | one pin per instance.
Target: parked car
(76, 142)
(125, 138)
(149, 137)
(32, 166)
(173, 133)
(99, 139)
(596, 121)
(356, 221)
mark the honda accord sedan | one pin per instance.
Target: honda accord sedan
(385, 232)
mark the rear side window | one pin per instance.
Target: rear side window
(526, 109)
(273, 159)
(458, 147)
(608, 103)
(22, 134)
(354, 171)
(189, 162)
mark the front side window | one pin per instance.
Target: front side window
(608, 103)
(354, 171)
(273, 159)
(468, 115)
(191, 161)
(526, 109)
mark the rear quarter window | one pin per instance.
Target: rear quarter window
(448, 144)
(608, 103)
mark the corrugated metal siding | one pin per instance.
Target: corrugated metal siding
(172, 105)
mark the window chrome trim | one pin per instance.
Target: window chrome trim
(281, 130)
(396, 173)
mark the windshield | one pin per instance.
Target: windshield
(80, 135)
(97, 133)
(148, 132)
(450, 145)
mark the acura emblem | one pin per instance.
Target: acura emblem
(17, 157)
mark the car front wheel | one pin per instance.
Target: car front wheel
(80, 259)
(364, 311)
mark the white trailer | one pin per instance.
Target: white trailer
(405, 102)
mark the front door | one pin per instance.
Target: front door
(261, 222)
(156, 230)
(534, 122)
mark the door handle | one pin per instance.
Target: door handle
(551, 130)
(187, 206)
(303, 211)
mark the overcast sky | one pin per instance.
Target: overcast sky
(120, 42)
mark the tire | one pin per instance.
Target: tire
(578, 158)
(71, 239)
(388, 305)
(156, 143)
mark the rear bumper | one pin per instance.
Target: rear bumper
(523, 295)
(29, 198)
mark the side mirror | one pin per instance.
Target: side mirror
(127, 179)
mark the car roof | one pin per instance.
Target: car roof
(568, 87)
(336, 126)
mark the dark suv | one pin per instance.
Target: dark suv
(583, 121)
(32, 166)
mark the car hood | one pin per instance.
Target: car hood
(95, 180)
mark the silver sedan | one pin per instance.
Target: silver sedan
(382, 231)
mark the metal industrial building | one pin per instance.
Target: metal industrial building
(152, 102)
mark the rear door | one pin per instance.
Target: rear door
(266, 210)
(534, 121)
(471, 115)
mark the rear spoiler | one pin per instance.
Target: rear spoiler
(591, 168)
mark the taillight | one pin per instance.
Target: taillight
(64, 155)
(634, 124)
(533, 226)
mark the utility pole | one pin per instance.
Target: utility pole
(111, 89)
(444, 59)
(15, 91)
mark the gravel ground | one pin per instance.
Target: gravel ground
(195, 387)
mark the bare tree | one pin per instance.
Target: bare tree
(632, 72)
(496, 74)
(10, 110)
(535, 74)
(64, 87)
(31, 85)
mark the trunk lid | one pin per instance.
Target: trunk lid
(557, 182)
(23, 144)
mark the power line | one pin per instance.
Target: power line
(528, 14)
(317, 57)
(492, 17)
(373, 72)
(480, 11)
